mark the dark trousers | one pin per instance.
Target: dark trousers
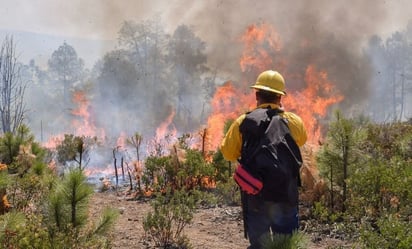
(265, 218)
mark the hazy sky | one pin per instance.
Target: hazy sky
(101, 19)
(217, 22)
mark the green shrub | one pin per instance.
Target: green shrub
(10, 225)
(227, 192)
(67, 214)
(283, 241)
(338, 156)
(224, 169)
(75, 149)
(164, 225)
(157, 171)
(5, 180)
(388, 233)
(170, 171)
(203, 198)
(381, 186)
(47, 211)
(320, 212)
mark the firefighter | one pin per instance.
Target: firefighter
(262, 217)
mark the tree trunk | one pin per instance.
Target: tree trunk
(115, 168)
(345, 168)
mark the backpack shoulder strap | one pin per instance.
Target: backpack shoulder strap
(253, 129)
(256, 121)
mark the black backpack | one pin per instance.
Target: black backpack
(271, 155)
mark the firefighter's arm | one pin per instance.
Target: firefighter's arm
(297, 128)
(232, 142)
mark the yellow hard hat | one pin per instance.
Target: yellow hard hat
(270, 81)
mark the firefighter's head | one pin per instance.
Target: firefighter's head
(270, 81)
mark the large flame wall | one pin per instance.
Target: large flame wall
(311, 99)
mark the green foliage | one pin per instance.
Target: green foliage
(224, 169)
(32, 182)
(383, 183)
(23, 230)
(283, 241)
(227, 192)
(61, 222)
(389, 232)
(171, 213)
(10, 144)
(67, 214)
(24, 157)
(9, 148)
(387, 140)
(99, 235)
(338, 156)
(194, 164)
(28, 190)
(196, 167)
(68, 201)
(10, 225)
(4, 179)
(378, 179)
(106, 221)
(42, 154)
(178, 172)
(204, 199)
(381, 187)
(39, 168)
(155, 171)
(320, 212)
(75, 149)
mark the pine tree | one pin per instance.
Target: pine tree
(338, 154)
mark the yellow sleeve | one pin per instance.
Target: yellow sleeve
(296, 127)
(231, 145)
(232, 142)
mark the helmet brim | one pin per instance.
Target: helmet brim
(268, 89)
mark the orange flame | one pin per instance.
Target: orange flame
(164, 133)
(261, 44)
(313, 102)
(224, 100)
(52, 142)
(265, 36)
(122, 140)
(84, 125)
(107, 171)
(166, 128)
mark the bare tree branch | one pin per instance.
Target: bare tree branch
(12, 89)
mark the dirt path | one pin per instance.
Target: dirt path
(212, 228)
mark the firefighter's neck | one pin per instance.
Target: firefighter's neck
(260, 102)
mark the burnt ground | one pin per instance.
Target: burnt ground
(211, 228)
